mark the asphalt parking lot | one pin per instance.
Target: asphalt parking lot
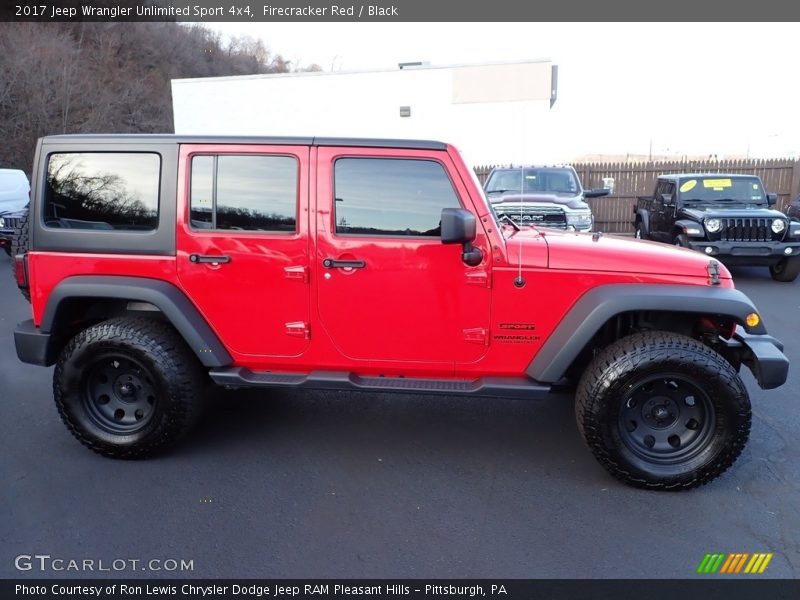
(324, 485)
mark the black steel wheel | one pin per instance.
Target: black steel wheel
(663, 411)
(638, 232)
(120, 394)
(666, 418)
(128, 387)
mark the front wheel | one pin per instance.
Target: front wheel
(128, 387)
(786, 270)
(663, 411)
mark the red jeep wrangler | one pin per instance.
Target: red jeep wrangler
(157, 263)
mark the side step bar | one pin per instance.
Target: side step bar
(492, 387)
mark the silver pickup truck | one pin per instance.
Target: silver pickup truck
(544, 196)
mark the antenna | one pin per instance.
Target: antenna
(519, 281)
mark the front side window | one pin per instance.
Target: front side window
(390, 196)
(102, 191)
(244, 193)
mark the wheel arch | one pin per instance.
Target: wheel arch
(602, 306)
(77, 302)
(642, 216)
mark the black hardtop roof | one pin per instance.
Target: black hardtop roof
(167, 138)
(703, 175)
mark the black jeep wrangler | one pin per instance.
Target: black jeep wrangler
(729, 217)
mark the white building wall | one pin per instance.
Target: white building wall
(509, 125)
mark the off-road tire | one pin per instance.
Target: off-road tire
(616, 383)
(638, 231)
(681, 240)
(103, 364)
(19, 245)
(786, 270)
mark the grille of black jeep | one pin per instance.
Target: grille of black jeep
(10, 222)
(541, 216)
(748, 230)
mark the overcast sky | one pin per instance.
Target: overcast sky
(685, 88)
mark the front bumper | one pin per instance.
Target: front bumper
(745, 252)
(762, 354)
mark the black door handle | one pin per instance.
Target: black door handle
(203, 258)
(330, 263)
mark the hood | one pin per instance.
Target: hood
(572, 202)
(734, 211)
(590, 252)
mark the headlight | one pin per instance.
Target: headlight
(713, 225)
(580, 220)
(778, 225)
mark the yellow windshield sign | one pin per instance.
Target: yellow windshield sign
(688, 186)
(717, 184)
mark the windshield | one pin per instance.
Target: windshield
(549, 180)
(745, 190)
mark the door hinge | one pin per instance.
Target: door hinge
(298, 272)
(713, 272)
(480, 278)
(298, 329)
(476, 336)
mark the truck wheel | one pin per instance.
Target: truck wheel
(639, 232)
(128, 387)
(786, 270)
(662, 411)
(19, 245)
(681, 240)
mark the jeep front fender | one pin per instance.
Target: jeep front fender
(588, 315)
(643, 216)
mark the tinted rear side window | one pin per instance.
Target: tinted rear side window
(388, 196)
(102, 191)
(244, 193)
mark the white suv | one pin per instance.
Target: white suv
(14, 198)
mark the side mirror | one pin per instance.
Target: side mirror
(666, 199)
(772, 199)
(596, 193)
(459, 226)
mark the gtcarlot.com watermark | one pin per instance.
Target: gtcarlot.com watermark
(44, 563)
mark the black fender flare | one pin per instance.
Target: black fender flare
(682, 223)
(600, 304)
(171, 301)
(643, 215)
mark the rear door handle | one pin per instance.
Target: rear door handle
(205, 258)
(330, 263)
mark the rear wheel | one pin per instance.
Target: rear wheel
(19, 245)
(639, 232)
(128, 387)
(663, 411)
(786, 270)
